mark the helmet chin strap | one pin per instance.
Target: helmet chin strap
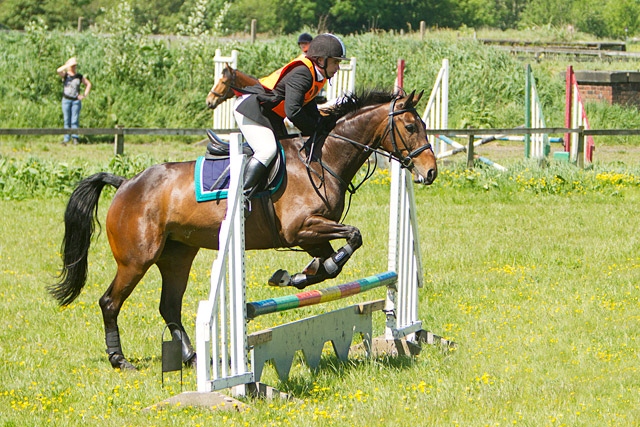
(323, 67)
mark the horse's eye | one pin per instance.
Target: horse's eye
(411, 128)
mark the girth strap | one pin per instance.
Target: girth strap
(266, 204)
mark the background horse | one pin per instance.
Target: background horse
(222, 90)
(155, 219)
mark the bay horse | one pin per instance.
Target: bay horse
(154, 217)
(223, 89)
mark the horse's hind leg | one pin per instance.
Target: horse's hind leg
(174, 265)
(125, 281)
(315, 240)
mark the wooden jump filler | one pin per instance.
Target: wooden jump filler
(279, 344)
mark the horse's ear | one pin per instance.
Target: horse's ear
(417, 98)
(228, 66)
(407, 102)
(413, 99)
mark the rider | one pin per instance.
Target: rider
(304, 40)
(288, 92)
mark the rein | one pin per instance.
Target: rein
(405, 161)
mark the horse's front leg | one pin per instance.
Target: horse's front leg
(314, 238)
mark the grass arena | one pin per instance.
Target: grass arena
(532, 272)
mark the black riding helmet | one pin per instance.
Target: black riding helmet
(327, 46)
(305, 38)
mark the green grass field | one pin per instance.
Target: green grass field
(532, 272)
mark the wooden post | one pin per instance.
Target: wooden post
(118, 142)
(580, 155)
(527, 111)
(423, 29)
(80, 19)
(568, 107)
(470, 154)
(254, 26)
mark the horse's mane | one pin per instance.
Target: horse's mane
(355, 101)
(226, 73)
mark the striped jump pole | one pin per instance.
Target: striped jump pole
(580, 151)
(318, 296)
(536, 145)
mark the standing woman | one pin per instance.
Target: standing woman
(71, 96)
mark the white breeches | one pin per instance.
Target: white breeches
(260, 138)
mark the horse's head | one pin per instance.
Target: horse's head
(222, 90)
(406, 139)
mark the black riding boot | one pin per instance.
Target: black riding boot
(254, 171)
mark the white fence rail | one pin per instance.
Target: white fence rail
(223, 114)
(436, 114)
(536, 145)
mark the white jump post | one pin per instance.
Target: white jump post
(436, 114)
(223, 114)
(401, 304)
(220, 325)
(536, 145)
(344, 81)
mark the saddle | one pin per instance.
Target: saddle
(218, 149)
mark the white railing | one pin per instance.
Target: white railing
(343, 83)
(223, 114)
(536, 145)
(436, 114)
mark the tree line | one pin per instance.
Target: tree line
(601, 18)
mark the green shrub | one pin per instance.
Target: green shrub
(145, 82)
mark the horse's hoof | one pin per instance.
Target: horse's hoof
(191, 361)
(300, 281)
(280, 278)
(118, 361)
(313, 267)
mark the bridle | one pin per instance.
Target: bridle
(405, 161)
(231, 81)
(397, 154)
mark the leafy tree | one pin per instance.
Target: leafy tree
(477, 13)
(17, 13)
(622, 17)
(603, 18)
(546, 12)
(242, 12)
(589, 17)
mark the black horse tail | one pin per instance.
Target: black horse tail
(80, 219)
